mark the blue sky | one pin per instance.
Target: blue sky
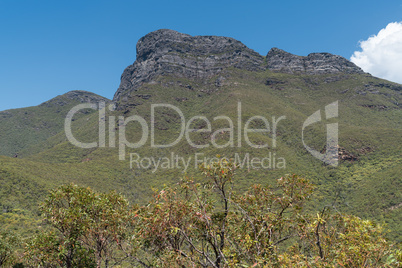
(48, 48)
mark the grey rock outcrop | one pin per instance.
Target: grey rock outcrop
(314, 63)
(165, 52)
(74, 96)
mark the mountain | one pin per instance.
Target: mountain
(167, 52)
(22, 128)
(213, 85)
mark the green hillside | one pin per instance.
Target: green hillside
(367, 181)
(22, 128)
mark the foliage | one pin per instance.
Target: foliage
(208, 225)
(51, 249)
(88, 228)
(201, 224)
(9, 243)
(338, 240)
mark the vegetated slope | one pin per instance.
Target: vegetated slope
(22, 128)
(203, 79)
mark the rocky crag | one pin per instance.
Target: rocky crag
(314, 63)
(167, 52)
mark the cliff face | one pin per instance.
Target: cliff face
(167, 52)
(314, 63)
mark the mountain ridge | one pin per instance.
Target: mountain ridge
(313, 63)
(20, 128)
(167, 52)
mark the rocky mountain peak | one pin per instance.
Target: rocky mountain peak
(167, 52)
(164, 41)
(314, 63)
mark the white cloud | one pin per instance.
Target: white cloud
(381, 54)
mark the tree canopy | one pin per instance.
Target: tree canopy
(202, 223)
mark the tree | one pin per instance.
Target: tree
(52, 249)
(9, 242)
(209, 225)
(88, 227)
(109, 218)
(345, 241)
(206, 224)
(64, 210)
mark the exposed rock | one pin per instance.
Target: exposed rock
(395, 207)
(345, 155)
(165, 52)
(220, 81)
(314, 63)
(75, 95)
(5, 114)
(336, 78)
(181, 99)
(377, 107)
(273, 81)
(280, 60)
(365, 150)
(84, 96)
(143, 96)
(391, 86)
